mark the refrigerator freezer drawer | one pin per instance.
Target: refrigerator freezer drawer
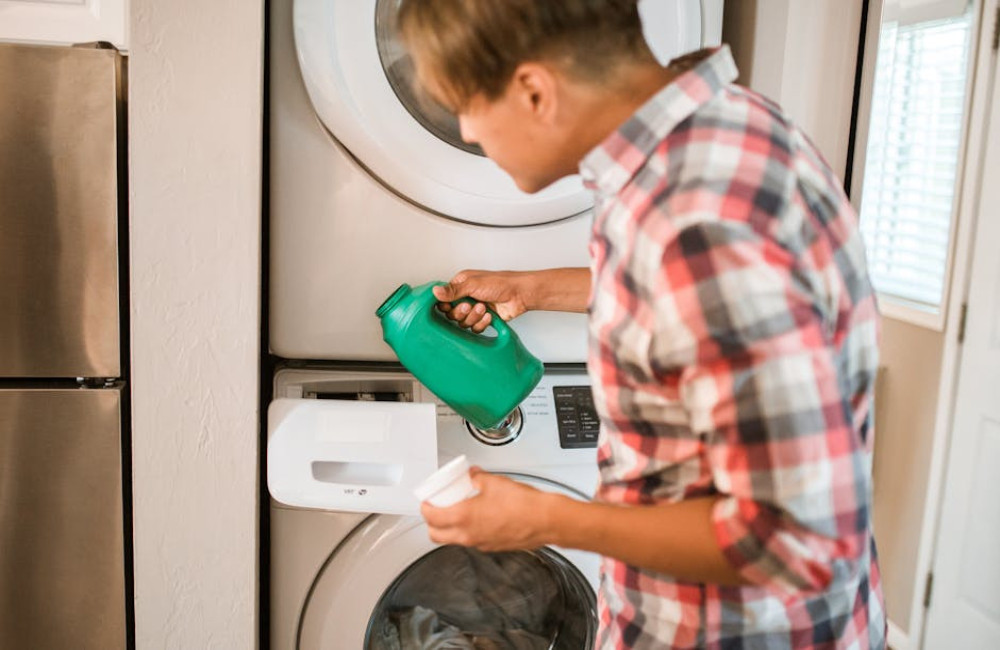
(62, 579)
(59, 191)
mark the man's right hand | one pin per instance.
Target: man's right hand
(503, 291)
(511, 293)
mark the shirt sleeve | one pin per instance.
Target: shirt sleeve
(759, 380)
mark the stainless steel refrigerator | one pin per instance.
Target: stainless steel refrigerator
(62, 376)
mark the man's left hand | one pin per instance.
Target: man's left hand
(504, 516)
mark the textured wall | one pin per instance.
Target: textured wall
(195, 141)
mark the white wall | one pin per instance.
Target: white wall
(195, 146)
(803, 55)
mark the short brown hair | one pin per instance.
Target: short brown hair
(474, 46)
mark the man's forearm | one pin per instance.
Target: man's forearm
(674, 539)
(565, 289)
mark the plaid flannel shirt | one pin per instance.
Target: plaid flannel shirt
(733, 352)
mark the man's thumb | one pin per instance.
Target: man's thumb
(446, 292)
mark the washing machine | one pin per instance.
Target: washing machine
(371, 188)
(352, 565)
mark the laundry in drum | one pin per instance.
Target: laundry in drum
(517, 600)
(483, 378)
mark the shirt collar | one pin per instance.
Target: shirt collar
(611, 164)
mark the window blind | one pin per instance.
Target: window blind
(909, 188)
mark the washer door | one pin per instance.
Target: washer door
(359, 80)
(387, 584)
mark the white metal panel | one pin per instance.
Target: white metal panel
(341, 241)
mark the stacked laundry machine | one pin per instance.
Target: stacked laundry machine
(371, 188)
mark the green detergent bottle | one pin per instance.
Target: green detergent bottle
(483, 378)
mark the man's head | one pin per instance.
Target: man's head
(521, 74)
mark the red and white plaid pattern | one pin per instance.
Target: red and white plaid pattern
(733, 352)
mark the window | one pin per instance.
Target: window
(914, 144)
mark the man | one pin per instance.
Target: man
(733, 330)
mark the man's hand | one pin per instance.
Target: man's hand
(505, 292)
(511, 293)
(504, 516)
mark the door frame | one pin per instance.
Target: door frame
(971, 169)
(956, 289)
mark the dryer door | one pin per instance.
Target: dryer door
(387, 585)
(359, 80)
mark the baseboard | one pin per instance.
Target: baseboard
(898, 639)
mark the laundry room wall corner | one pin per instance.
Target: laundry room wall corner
(195, 115)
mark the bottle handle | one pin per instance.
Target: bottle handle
(497, 323)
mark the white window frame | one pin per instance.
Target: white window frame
(64, 22)
(889, 305)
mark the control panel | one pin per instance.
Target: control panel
(556, 424)
(576, 417)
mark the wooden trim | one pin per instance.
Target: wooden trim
(899, 309)
(898, 640)
(892, 306)
(63, 24)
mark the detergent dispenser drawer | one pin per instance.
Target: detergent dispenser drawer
(350, 455)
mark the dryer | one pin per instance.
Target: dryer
(368, 189)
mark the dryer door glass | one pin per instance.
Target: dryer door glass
(461, 597)
(400, 72)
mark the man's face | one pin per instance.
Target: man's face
(520, 131)
(507, 135)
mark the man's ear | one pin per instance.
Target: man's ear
(536, 88)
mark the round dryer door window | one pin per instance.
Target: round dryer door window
(388, 586)
(401, 74)
(359, 81)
